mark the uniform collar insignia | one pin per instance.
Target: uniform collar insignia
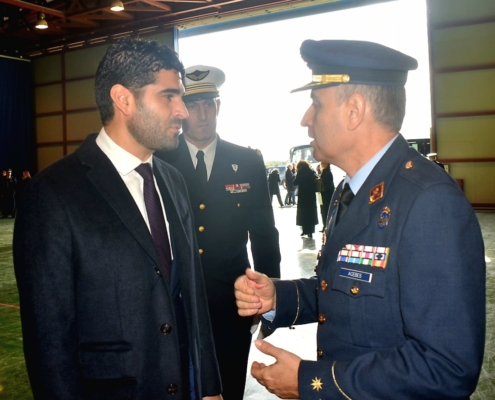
(235, 167)
(377, 192)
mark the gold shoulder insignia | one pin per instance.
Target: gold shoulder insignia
(197, 75)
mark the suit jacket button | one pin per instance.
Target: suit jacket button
(165, 329)
(200, 251)
(324, 285)
(172, 389)
(354, 290)
(201, 228)
(320, 353)
(321, 318)
(202, 206)
(158, 272)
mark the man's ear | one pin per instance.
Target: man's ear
(123, 99)
(355, 110)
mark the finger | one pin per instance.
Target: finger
(246, 298)
(241, 284)
(255, 276)
(268, 348)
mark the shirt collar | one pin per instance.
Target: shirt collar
(358, 179)
(122, 160)
(208, 150)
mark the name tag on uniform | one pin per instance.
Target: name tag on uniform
(357, 275)
(237, 187)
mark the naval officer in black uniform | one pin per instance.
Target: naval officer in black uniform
(400, 308)
(229, 196)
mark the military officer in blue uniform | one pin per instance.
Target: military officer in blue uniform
(229, 195)
(400, 308)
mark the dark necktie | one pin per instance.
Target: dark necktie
(201, 169)
(156, 218)
(345, 199)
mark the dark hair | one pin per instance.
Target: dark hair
(302, 164)
(388, 103)
(132, 63)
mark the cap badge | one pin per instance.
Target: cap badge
(235, 167)
(197, 75)
(384, 218)
(377, 192)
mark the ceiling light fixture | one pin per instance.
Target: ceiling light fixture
(41, 23)
(117, 5)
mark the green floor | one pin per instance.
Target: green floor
(14, 384)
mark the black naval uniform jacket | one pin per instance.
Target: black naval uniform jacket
(413, 328)
(98, 319)
(226, 215)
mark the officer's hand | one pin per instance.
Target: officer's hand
(279, 378)
(219, 397)
(254, 293)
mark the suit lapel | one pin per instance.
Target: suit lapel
(108, 182)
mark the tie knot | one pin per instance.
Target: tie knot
(200, 155)
(145, 171)
(347, 194)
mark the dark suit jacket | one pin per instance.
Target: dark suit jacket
(412, 330)
(224, 220)
(98, 319)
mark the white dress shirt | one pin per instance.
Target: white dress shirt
(209, 151)
(125, 163)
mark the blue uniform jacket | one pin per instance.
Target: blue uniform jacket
(410, 328)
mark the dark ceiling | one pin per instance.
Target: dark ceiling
(76, 22)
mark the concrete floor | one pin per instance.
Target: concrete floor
(299, 259)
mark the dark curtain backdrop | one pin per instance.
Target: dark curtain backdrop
(17, 138)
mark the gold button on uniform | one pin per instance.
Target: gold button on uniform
(202, 206)
(238, 205)
(354, 290)
(200, 251)
(165, 329)
(409, 164)
(172, 389)
(320, 353)
(324, 285)
(321, 318)
(201, 228)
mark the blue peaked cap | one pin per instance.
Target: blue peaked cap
(336, 62)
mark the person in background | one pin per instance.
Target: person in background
(274, 186)
(326, 191)
(112, 297)
(9, 195)
(307, 216)
(433, 157)
(228, 192)
(400, 309)
(290, 198)
(25, 179)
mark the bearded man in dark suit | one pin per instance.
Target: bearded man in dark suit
(113, 304)
(229, 196)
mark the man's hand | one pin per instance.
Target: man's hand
(254, 293)
(279, 378)
(219, 397)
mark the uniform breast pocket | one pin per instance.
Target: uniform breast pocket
(366, 304)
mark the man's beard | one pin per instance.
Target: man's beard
(147, 129)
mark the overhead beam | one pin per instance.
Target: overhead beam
(34, 7)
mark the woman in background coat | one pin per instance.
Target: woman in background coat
(307, 216)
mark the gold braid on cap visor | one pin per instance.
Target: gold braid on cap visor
(324, 79)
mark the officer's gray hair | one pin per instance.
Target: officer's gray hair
(388, 103)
